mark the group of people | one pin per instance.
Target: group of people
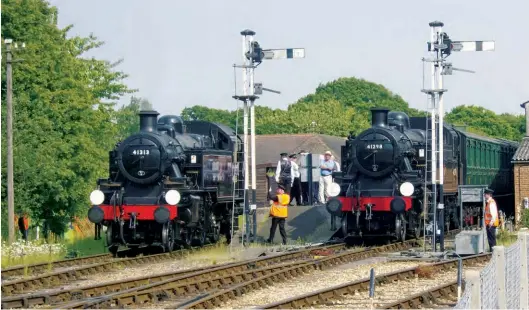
(292, 173)
(292, 184)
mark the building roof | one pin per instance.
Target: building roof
(268, 147)
(522, 153)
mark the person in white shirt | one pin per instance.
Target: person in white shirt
(285, 173)
(491, 217)
(327, 166)
(296, 184)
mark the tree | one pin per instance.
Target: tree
(484, 121)
(63, 111)
(127, 119)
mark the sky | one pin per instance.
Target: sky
(180, 53)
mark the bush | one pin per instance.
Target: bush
(525, 218)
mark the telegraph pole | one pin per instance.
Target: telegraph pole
(441, 46)
(10, 186)
(253, 55)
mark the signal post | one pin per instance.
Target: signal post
(253, 55)
(440, 47)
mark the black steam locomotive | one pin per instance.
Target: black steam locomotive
(172, 183)
(385, 186)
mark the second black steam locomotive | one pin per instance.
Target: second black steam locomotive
(172, 183)
(385, 184)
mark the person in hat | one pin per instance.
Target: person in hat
(295, 192)
(285, 173)
(278, 213)
(491, 217)
(327, 167)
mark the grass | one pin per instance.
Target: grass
(35, 252)
(86, 247)
(506, 238)
(38, 251)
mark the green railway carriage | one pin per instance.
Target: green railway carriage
(486, 161)
(471, 159)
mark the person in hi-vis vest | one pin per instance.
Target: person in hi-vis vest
(491, 217)
(278, 212)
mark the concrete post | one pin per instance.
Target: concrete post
(472, 283)
(499, 252)
(524, 283)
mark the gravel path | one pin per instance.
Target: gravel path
(315, 281)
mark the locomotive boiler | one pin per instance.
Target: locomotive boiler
(384, 188)
(173, 183)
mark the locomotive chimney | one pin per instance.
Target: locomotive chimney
(148, 120)
(525, 105)
(379, 117)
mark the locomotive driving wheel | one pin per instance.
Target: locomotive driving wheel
(186, 235)
(168, 236)
(345, 224)
(419, 228)
(199, 236)
(400, 227)
(215, 229)
(112, 248)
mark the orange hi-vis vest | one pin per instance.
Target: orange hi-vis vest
(279, 208)
(26, 221)
(488, 214)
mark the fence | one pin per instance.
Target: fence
(503, 282)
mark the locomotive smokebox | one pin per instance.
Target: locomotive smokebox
(148, 120)
(379, 117)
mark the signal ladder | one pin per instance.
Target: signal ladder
(248, 228)
(430, 191)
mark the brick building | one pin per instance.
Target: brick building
(268, 148)
(521, 170)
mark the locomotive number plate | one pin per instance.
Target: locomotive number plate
(140, 152)
(374, 146)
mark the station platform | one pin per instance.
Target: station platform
(305, 224)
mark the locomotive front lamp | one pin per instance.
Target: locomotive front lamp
(97, 197)
(334, 189)
(406, 189)
(172, 197)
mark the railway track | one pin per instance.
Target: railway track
(47, 267)
(328, 295)
(192, 284)
(214, 297)
(60, 277)
(128, 285)
(442, 296)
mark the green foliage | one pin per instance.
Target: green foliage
(485, 122)
(525, 218)
(342, 106)
(63, 107)
(127, 119)
(336, 108)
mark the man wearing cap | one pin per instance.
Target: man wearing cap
(278, 213)
(327, 166)
(491, 217)
(295, 192)
(285, 173)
